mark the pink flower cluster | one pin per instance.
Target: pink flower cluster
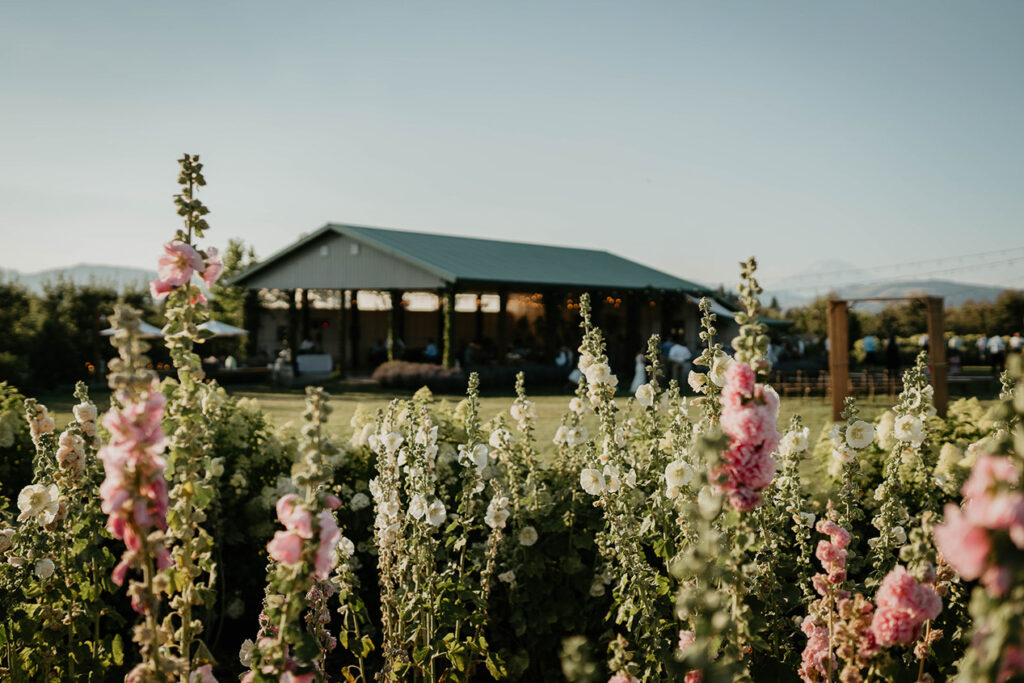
(622, 678)
(177, 264)
(134, 491)
(286, 546)
(832, 555)
(816, 655)
(749, 413)
(903, 605)
(686, 639)
(993, 503)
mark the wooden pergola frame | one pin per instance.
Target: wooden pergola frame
(839, 349)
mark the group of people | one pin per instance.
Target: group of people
(991, 350)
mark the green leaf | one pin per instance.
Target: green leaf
(117, 649)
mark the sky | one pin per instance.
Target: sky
(687, 136)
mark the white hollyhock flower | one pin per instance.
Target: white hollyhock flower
(480, 454)
(390, 509)
(527, 536)
(678, 474)
(576, 436)
(794, 441)
(805, 518)
(899, 535)
(44, 568)
(630, 478)
(417, 506)
(436, 514)
(843, 453)
(375, 489)
(719, 368)
(373, 441)
(497, 512)
(346, 548)
(645, 395)
(392, 441)
(611, 478)
(499, 437)
(576, 405)
(592, 481)
(508, 577)
(359, 501)
(36, 500)
(245, 652)
(598, 373)
(84, 412)
(523, 410)
(596, 589)
(697, 380)
(909, 428)
(836, 434)
(561, 435)
(860, 434)
(6, 539)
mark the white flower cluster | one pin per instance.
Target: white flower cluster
(678, 474)
(572, 436)
(497, 512)
(39, 502)
(523, 412)
(41, 424)
(794, 442)
(599, 377)
(848, 439)
(477, 455)
(85, 415)
(595, 482)
(71, 453)
(645, 395)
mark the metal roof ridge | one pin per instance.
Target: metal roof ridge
(284, 251)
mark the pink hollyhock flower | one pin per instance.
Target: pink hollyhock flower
(203, 674)
(964, 546)
(1012, 664)
(329, 538)
(839, 536)
(622, 678)
(333, 501)
(989, 470)
(291, 677)
(894, 627)
(816, 652)
(158, 289)
(285, 547)
(996, 580)
(744, 499)
(214, 266)
(294, 517)
(178, 262)
(686, 639)
(740, 377)
(693, 676)
(999, 511)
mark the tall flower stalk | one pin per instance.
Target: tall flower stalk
(189, 458)
(134, 491)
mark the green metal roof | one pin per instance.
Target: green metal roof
(468, 259)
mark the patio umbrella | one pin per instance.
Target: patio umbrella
(146, 330)
(220, 329)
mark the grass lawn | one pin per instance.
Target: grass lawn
(285, 406)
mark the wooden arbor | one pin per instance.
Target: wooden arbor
(839, 349)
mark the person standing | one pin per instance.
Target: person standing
(1016, 343)
(639, 372)
(679, 359)
(982, 347)
(870, 344)
(997, 353)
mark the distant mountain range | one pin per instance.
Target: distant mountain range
(954, 293)
(117, 277)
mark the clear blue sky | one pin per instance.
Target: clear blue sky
(683, 135)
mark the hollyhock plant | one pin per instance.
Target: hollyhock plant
(902, 607)
(749, 419)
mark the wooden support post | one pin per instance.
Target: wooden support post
(552, 323)
(479, 317)
(342, 335)
(394, 324)
(293, 326)
(355, 332)
(937, 354)
(838, 355)
(304, 332)
(448, 306)
(502, 325)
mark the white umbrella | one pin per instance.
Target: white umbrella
(147, 331)
(220, 329)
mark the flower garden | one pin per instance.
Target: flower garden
(179, 535)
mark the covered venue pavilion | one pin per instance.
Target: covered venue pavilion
(361, 295)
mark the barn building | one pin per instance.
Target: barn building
(356, 293)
